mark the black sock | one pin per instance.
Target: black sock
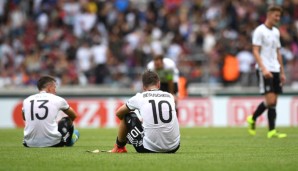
(119, 143)
(258, 112)
(271, 118)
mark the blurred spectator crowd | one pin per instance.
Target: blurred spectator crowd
(110, 42)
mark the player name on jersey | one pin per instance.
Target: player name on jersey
(150, 94)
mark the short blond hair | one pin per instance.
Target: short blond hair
(273, 8)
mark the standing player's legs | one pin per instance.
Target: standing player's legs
(271, 99)
(251, 120)
(270, 88)
(165, 87)
(176, 98)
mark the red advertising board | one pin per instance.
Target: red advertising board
(91, 113)
(202, 112)
(101, 112)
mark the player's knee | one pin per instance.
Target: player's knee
(65, 127)
(271, 104)
(132, 120)
(65, 122)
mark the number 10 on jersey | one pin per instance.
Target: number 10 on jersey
(159, 106)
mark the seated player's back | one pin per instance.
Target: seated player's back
(160, 121)
(40, 112)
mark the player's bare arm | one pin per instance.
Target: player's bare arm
(122, 111)
(122, 132)
(256, 52)
(282, 72)
(23, 114)
(70, 113)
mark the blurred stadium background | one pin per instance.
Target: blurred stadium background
(108, 43)
(99, 48)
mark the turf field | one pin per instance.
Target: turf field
(201, 149)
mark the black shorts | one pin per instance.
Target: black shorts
(269, 85)
(135, 134)
(165, 87)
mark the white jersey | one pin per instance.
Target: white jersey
(268, 40)
(160, 123)
(40, 112)
(169, 69)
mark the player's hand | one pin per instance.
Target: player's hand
(282, 79)
(267, 74)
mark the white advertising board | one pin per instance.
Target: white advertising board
(193, 112)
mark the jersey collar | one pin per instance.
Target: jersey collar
(153, 90)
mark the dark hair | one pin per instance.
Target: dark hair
(273, 8)
(156, 57)
(44, 80)
(149, 77)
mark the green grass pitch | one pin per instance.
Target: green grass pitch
(201, 149)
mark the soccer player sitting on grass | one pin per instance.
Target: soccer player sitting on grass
(40, 112)
(159, 129)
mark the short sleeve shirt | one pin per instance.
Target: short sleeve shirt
(169, 72)
(268, 40)
(160, 123)
(40, 111)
